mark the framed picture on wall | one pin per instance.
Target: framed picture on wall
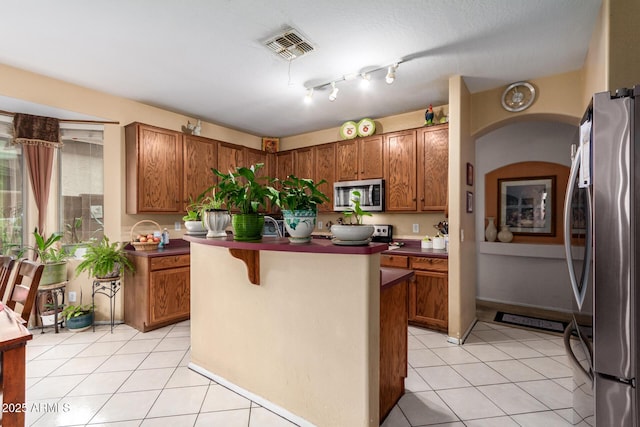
(469, 174)
(469, 202)
(526, 205)
(270, 144)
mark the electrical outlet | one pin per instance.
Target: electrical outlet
(177, 225)
(416, 228)
(72, 297)
(320, 224)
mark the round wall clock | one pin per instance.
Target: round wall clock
(518, 96)
(366, 127)
(349, 130)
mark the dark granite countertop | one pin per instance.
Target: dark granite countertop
(412, 248)
(175, 247)
(282, 244)
(392, 276)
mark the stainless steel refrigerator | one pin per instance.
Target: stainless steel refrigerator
(602, 242)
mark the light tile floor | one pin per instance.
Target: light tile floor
(502, 376)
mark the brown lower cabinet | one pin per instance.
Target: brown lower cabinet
(158, 293)
(428, 290)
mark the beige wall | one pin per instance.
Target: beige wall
(462, 247)
(596, 64)
(624, 43)
(306, 339)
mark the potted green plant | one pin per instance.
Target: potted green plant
(55, 259)
(104, 260)
(298, 198)
(214, 216)
(193, 219)
(78, 317)
(355, 232)
(245, 192)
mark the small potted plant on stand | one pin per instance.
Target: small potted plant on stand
(298, 198)
(104, 260)
(243, 192)
(354, 233)
(54, 258)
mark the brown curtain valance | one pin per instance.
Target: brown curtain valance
(36, 130)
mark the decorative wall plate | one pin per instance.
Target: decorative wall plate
(366, 127)
(349, 130)
(518, 96)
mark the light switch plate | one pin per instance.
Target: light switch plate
(416, 228)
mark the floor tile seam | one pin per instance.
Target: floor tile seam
(112, 394)
(449, 407)
(544, 404)
(518, 413)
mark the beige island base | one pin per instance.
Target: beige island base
(304, 341)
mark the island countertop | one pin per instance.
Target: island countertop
(323, 246)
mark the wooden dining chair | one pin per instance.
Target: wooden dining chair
(24, 286)
(6, 267)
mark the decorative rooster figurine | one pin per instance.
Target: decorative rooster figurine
(429, 115)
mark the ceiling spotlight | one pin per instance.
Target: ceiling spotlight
(334, 92)
(308, 97)
(391, 73)
(366, 80)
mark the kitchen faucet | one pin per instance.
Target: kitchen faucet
(275, 223)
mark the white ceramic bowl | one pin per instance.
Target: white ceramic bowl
(194, 227)
(352, 232)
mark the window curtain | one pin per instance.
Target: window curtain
(40, 136)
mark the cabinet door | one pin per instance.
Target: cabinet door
(154, 169)
(370, 157)
(230, 157)
(169, 295)
(347, 160)
(400, 171)
(433, 168)
(304, 163)
(199, 156)
(429, 300)
(326, 169)
(284, 164)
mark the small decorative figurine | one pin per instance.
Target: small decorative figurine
(429, 115)
(197, 128)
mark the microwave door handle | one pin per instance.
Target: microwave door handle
(371, 201)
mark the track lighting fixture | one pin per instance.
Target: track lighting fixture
(309, 96)
(366, 80)
(334, 92)
(391, 73)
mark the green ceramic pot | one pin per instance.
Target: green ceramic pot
(80, 323)
(54, 272)
(247, 227)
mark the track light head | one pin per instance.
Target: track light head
(391, 73)
(366, 80)
(309, 96)
(334, 92)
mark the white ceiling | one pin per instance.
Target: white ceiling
(205, 58)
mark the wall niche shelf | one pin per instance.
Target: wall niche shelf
(528, 250)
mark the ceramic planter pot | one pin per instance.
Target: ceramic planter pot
(247, 227)
(216, 222)
(194, 227)
(352, 232)
(80, 323)
(300, 224)
(54, 272)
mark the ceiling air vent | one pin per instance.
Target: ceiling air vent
(290, 45)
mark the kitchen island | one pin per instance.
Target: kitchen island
(295, 328)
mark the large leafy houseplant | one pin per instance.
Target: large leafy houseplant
(105, 259)
(299, 199)
(244, 191)
(353, 233)
(55, 259)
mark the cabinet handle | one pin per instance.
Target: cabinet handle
(414, 199)
(422, 199)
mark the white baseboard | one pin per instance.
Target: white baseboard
(251, 396)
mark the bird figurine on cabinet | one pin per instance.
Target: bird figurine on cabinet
(429, 115)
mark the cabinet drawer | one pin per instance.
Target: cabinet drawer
(161, 263)
(398, 261)
(433, 264)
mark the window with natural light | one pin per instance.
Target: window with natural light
(11, 191)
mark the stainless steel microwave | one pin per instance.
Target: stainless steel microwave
(371, 194)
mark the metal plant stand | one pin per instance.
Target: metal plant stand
(109, 287)
(54, 290)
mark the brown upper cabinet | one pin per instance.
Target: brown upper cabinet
(416, 164)
(230, 156)
(285, 161)
(359, 158)
(164, 168)
(304, 163)
(433, 168)
(400, 171)
(325, 168)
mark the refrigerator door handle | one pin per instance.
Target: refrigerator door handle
(569, 351)
(579, 290)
